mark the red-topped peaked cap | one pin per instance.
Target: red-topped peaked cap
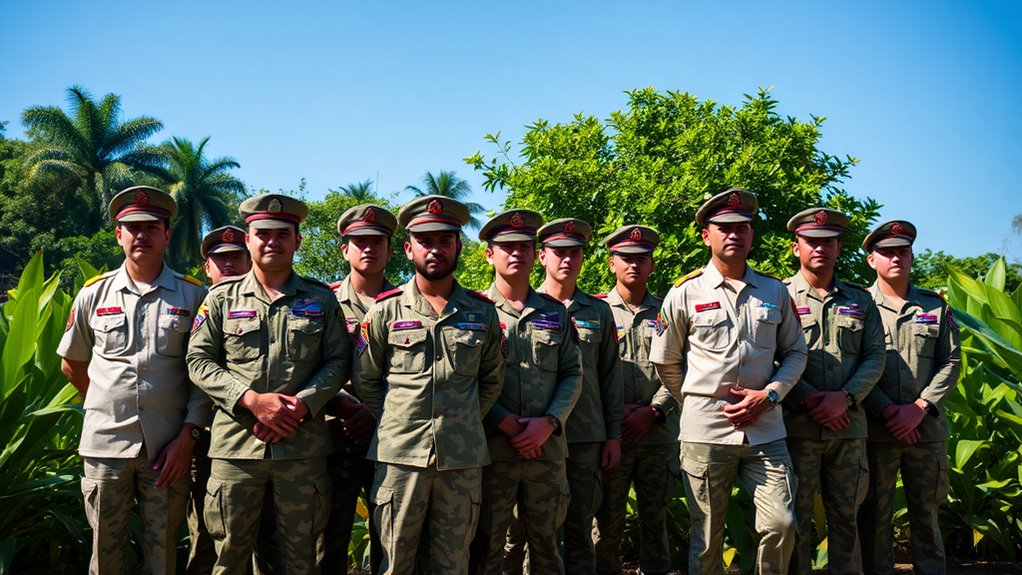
(818, 223)
(273, 211)
(511, 226)
(632, 239)
(892, 234)
(433, 214)
(565, 233)
(223, 239)
(141, 204)
(731, 206)
(366, 220)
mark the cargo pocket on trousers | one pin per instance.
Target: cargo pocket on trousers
(90, 492)
(321, 505)
(563, 499)
(383, 515)
(215, 514)
(696, 475)
(863, 486)
(942, 486)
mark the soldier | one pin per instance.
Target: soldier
(649, 455)
(123, 350)
(594, 427)
(366, 232)
(905, 411)
(430, 365)
(269, 348)
(542, 382)
(719, 334)
(826, 428)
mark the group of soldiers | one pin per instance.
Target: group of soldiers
(488, 429)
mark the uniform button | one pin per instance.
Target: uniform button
(439, 358)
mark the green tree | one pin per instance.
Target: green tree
(360, 192)
(449, 185)
(207, 196)
(658, 159)
(92, 147)
(930, 269)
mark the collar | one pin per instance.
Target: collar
(166, 279)
(716, 279)
(614, 298)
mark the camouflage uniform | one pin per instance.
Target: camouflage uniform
(651, 462)
(295, 345)
(543, 377)
(923, 361)
(844, 335)
(428, 380)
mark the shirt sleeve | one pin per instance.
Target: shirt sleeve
(667, 351)
(77, 341)
(947, 364)
(491, 365)
(204, 357)
(873, 353)
(792, 353)
(370, 355)
(611, 376)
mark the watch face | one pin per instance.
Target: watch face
(196, 433)
(772, 397)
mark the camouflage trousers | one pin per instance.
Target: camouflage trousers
(516, 554)
(351, 474)
(765, 473)
(235, 499)
(838, 468)
(110, 487)
(924, 474)
(404, 495)
(202, 551)
(654, 469)
(540, 491)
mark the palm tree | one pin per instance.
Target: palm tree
(449, 185)
(92, 147)
(360, 192)
(206, 196)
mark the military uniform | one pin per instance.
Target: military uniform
(844, 336)
(429, 379)
(350, 470)
(139, 396)
(542, 378)
(714, 333)
(651, 463)
(923, 362)
(295, 345)
(597, 415)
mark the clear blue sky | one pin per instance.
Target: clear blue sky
(924, 93)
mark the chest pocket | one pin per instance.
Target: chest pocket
(710, 330)
(925, 338)
(849, 334)
(304, 338)
(171, 335)
(408, 350)
(765, 321)
(241, 339)
(545, 349)
(644, 341)
(110, 332)
(466, 348)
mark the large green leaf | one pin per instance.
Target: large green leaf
(964, 451)
(996, 275)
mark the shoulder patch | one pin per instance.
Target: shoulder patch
(479, 295)
(689, 276)
(388, 294)
(101, 276)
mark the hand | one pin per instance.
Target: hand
(274, 410)
(905, 420)
(841, 423)
(911, 438)
(637, 422)
(812, 399)
(175, 460)
(510, 426)
(535, 433)
(611, 455)
(831, 405)
(359, 427)
(747, 411)
(265, 434)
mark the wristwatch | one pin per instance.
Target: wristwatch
(196, 432)
(851, 400)
(773, 397)
(554, 422)
(659, 413)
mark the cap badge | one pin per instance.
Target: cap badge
(636, 234)
(274, 206)
(228, 235)
(898, 229)
(569, 227)
(435, 208)
(821, 218)
(369, 216)
(517, 220)
(733, 201)
(141, 199)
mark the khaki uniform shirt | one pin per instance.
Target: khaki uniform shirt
(139, 390)
(845, 337)
(294, 345)
(719, 338)
(635, 331)
(429, 380)
(543, 375)
(923, 360)
(600, 408)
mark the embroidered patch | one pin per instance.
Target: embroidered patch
(109, 311)
(200, 317)
(240, 313)
(363, 338)
(587, 323)
(660, 324)
(307, 308)
(470, 325)
(620, 333)
(407, 324)
(182, 311)
(70, 318)
(927, 318)
(850, 311)
(707, 306)
(768, 305)
(803, 310)
(352, 324)
(544, 324)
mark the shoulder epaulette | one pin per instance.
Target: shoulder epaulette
(479, 295)
(317, 282)
(600, 295)
(786, 281)
(933, 293)
(95, 279)
(336, 285)
(388, 294)
(689, 276)
(189, 279)
(226, 282)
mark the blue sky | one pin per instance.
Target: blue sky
(924, 93)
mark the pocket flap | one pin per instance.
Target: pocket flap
(109, 322)
(406, 338)
(709, 318)
(241, 327)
